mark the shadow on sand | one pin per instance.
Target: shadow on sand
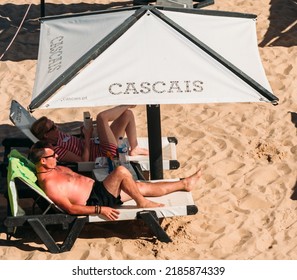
(25, 46)
(282, 29)
(294, 194)
(294, 121)
(294, 118)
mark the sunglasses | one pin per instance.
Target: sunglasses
(52, 128)
(53, 155)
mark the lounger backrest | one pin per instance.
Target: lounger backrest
(22, 168)
(22, 119)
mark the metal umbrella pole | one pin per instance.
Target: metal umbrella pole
(42, 8)
(155, 141)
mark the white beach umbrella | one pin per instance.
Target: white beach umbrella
(149, 55)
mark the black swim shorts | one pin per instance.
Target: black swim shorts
(100, 196)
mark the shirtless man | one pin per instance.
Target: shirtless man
(74, 149)
(80, 195)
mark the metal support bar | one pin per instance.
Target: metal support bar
(151, 220)
(74, 223)
(73, 234)
(44, 235)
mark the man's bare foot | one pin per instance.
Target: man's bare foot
(150, 204)
(137, 151)
(191, 181)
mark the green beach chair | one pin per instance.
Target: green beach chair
(24, 170)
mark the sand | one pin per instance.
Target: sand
(248, 152)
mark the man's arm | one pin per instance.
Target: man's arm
(75, 209)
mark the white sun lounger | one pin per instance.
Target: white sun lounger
(176, 204)
(22, 119)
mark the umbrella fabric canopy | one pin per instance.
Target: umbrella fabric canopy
(149, 55)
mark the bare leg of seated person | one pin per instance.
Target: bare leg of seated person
(129, 189)
(138, 151)
(162, 188)
(123, 122)
(120, 182)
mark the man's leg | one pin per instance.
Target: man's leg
(162, 188)
(120, 182)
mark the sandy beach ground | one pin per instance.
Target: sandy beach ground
(246, 197)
